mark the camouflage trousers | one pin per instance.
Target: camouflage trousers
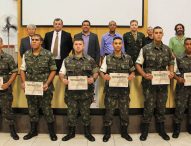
(182, 101)
(155, 97)
(110, 102)
(40, 102)
(78, 105)
(6, 99)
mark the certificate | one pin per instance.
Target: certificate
(1, 82)
(160, 78)
(118, 80)
(33, 88)
(77, 83)
(187, 77)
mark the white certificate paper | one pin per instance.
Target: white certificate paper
(77, 83)
(118, 80)
(160, 78)
(1, 82)
(33, 88)
(187, 77)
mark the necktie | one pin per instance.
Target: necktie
(55, 49)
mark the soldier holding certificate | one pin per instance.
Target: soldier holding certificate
(154, 57)
(79, 72)
(183, 90)
(118, 67)
(38, 66)
(8, 73)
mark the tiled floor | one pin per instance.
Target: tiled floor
(79, 140)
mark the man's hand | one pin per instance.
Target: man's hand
(171, 75)
(180, 80)
(90, 80)
(131, 77)
(5, 86)
(106, 77)
(65, 81)
(23, 86)
(148, 76)
(45, 87)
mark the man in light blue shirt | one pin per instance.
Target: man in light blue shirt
(107, 40)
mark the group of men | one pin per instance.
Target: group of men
(132, 54)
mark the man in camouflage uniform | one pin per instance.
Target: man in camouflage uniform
(38, 65)
(79, 65)
(117, 62)
(154, 57)
(7, 67)
(133, 40)
(183, 93)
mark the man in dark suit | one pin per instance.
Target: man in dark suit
(26, 42)
(133, 40)
(91, 42)
(59, 42)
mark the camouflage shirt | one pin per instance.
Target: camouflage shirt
(155, 58)
(123, 64)
(38, 67)
(7, 66)
(83, 66)
(184, 64)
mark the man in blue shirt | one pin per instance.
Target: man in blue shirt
(107, 40)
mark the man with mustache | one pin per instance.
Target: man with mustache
(176, 43)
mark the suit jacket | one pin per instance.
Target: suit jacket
(25, 45)
(93, 46)
(132, 46)
(66, 44)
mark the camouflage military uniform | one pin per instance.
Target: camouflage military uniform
(183, 93)
(7, 65)
(117, 95)
(132, 46)
(79, 99)
(155, 59)
(38, 69)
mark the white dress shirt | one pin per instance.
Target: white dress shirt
(59, 41)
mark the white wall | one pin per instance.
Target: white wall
(167, 13)
(73, 12)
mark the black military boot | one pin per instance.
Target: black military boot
(107, 133)
(71, 133)
(52, 133)
(144, 131)
(88, 134)
(33, 131)
(161, 131)
(176, 130)
(189, 128)
(13, 132)
(124, 133)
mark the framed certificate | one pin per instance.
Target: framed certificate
(1, 82)
(160, 78)
(33, 88)
(187, 77)
(118, 80)
(77, 83)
